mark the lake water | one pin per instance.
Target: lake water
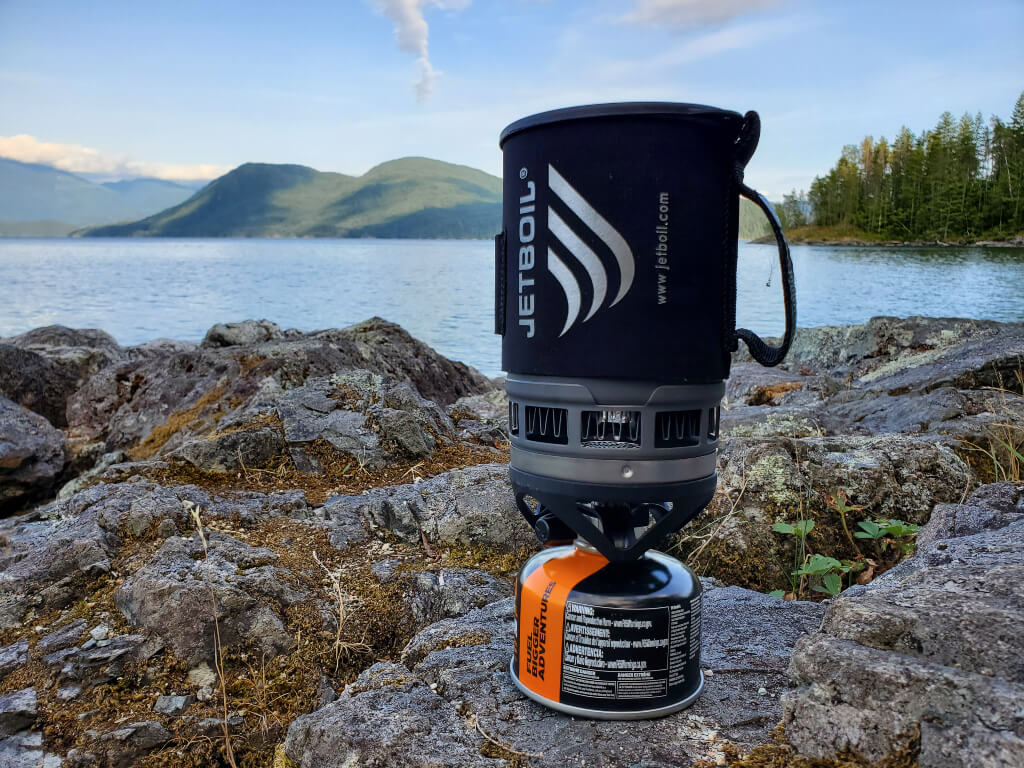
(442, 291)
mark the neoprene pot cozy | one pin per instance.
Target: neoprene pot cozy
(616, 303)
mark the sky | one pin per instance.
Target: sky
(188, 90)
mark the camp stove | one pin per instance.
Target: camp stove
(615, 299)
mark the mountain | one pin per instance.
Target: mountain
(151, 195)
(410, 197)
(413, 197)
(40, 200)
(753, 223)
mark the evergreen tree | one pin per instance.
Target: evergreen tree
(962, 179)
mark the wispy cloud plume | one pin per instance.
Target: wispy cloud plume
(78, 159)
(412, 35)
(685, 13)
(704, 45)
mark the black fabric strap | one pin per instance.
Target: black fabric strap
(761, 351)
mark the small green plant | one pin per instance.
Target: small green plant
(830, 571)
(894, 535)
(827, 571)
(799, 531)
(841, 504)
(801, 528)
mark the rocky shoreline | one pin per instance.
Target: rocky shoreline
(299, 547)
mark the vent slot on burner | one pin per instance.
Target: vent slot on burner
(714, 422)
(546, 425)
(513, 418)
(610, 429)
(675, 429)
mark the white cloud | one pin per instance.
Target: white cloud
(78, 159)
(682, 13)
(412, 34)
(704, 46)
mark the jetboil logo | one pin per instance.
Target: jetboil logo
(576, 247)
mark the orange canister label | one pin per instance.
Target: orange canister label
(541, 615)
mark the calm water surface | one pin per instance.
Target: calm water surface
(441, 291)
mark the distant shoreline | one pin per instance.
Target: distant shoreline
(833, 236)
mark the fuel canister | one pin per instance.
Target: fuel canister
(616, 641)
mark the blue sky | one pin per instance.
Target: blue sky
(191, 88)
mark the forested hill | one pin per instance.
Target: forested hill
(410, 197)
(963, 180)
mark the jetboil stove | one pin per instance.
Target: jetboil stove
(616, 302)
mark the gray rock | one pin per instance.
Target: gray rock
(445, 592)
(370, 417)
(886, 345)
(934, 644)
(42, 368)
(491, 407)
(317, 412)
(385, 570)
(213, 727)
(326, 694)
(232, 451)
(17, 711)
(892, 475)
(123, 403)
(68, 635)
(96, 470)
(172, 705)
(80, 352)
(69, 692)
(25, 750)
(246, 332)
(124, 746)
(35, 383)
(51, 557)
(343, 522)
(45, 559)
(482, 417)
(386, 348)
(411, 726)
(31, 455)
(187, 392)
(202, 676)
(768, 421)
(466, 507)
(869, 700)
(13, 656)
(751, 384)
(170, 596)
(969, 746)
(989, 359)
(453, 685)
(100, 662)
(991, 507)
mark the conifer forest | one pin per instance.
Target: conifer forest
(959, 181)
